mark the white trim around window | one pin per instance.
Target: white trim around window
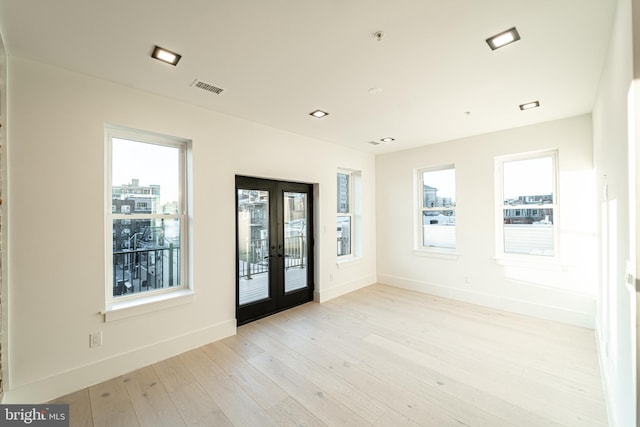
(435, 212)
(348, 215)
(527, 208)
(146, 221)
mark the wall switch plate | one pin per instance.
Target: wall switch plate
(95, 339)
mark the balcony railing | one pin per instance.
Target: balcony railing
(344, 246)
(254, 255)
(145, 269)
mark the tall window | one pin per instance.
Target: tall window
(344, 220)
(437, 212)
(526, 188)
(148, 217)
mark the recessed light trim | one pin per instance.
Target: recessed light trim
(529, 105)
(318, 114)
(387, 139)
(503, 39)
(164, 55)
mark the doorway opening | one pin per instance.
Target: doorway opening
(274, 246)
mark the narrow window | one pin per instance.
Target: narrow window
(437, 211)
(344, 220)
(148, 219)
(528, 204)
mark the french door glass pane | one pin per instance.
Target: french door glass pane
(295, 241)
(253, 245)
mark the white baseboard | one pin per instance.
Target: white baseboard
(324, 295)
(606, 379)
(577, 309)
(84, 376)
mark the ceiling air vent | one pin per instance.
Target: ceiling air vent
(206, 86)
(373, 143)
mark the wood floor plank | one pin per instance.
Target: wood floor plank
(393, 418)
(194, 404)
(353, 398)
(290, 413)
(151, 401)
(244, 348)
(79, 408)
(111, 404)
(254, 383)
(236, 404)
(317, 401)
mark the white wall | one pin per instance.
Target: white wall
(56, 225)
(612, 143)
(564, 292)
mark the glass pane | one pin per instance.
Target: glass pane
(528, 228)
(439, 229)
(528, 181)
(439, 189)
(528, 231)
(253, 245)
(295, 241)
(343, 193)
(344, 235)
(145, 178)
(146, 255)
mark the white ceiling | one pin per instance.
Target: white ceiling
(278, 60)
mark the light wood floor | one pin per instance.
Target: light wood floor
(380, 356)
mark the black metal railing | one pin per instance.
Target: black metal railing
(145, 269)
(344, 246)
(254, 255)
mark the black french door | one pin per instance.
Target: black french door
(274, 246)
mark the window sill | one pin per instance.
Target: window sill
(348, 261)
(550, 264)
(144, 305)
(449, 254)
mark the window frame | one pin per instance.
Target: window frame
(129, 302)
(500, 254)
(419, 231)
(350, 214)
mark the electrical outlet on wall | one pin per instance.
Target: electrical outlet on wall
(95, 339)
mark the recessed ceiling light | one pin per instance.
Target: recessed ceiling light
(165, 55)
(387, 139)
(530, 105)
(318, 114)
(503, 39)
